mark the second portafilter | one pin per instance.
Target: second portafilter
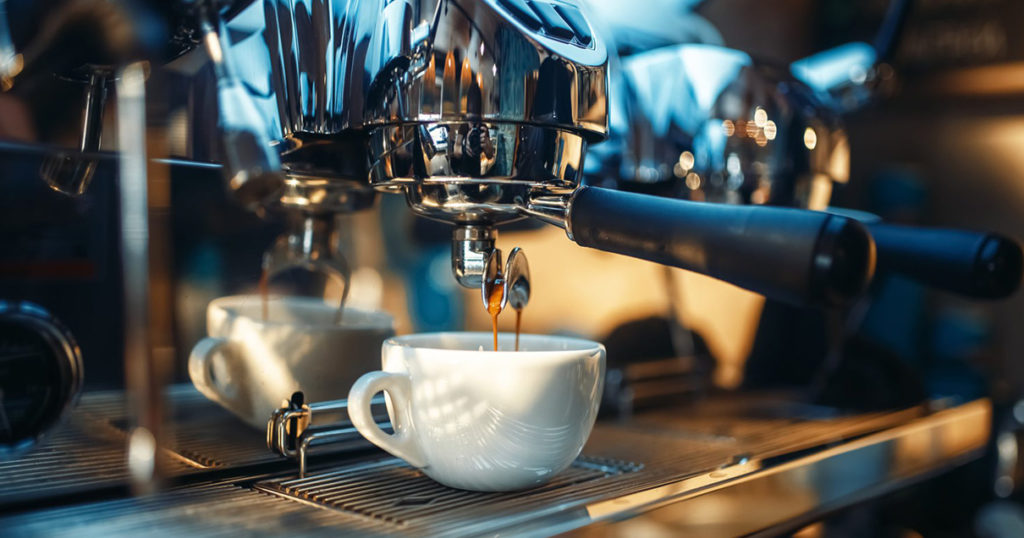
(296, 149)
(480, 112)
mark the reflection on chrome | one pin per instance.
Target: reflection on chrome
(707, 103)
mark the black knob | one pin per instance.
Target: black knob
(40, 375)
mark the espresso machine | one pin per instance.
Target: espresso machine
(480, 113)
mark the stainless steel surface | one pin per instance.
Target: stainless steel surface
(476, 107)
(785, 496)
(514, 280)
(143, 379)
(466, 62)
(205, 435)
(310, 107)
(402, 499)
(688, 471)
(88, 453)
(252, 167)
(708, 123)
(491, 280)
(291, 431)
(218, 509)
(311, 244)
(517, 280)
(472, 247)
(72, 172)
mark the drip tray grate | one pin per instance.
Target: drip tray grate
(389, 491)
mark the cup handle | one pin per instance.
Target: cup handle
(199, 368)
(398, 387)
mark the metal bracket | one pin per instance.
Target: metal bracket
(291, 433)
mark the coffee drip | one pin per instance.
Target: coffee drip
(511, 287)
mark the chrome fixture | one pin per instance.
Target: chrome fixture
(481, 111)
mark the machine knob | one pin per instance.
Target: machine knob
(40, 375)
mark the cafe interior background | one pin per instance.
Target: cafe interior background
(932, 135)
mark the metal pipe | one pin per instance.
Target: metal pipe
(139, 360)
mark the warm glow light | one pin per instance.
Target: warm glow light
(692, 181)
(686, 160)
(760, 195)
(751, 129)
(770, 130)
(810, 138)
(213, 48)
(760, 117)
(728, 128)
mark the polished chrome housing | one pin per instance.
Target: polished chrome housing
(304, 66)
(473, 108)
(476, 107)
(708, 123)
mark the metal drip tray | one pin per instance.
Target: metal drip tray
(89, 452)
(694, 472)
(76, 459)
(203, 435)
(391, 492)
(201, 510)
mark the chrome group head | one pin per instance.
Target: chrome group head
(478, 111)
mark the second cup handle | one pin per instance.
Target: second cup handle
(402, 443)
(199, 368)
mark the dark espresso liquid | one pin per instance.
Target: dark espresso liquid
(519, 320)
(494, 308)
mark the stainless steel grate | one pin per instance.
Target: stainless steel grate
(88, 453)
(203, 434)
(389, 491)
(74, 459)
(197, 511)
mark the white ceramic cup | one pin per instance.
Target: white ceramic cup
(250, 366)
(477, 419)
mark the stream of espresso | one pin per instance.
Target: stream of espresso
(519, 319)
(494, 308)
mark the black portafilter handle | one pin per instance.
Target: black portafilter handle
(976, 264)
(797, 256)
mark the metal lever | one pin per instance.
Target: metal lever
(252, 168)
(71, 173)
